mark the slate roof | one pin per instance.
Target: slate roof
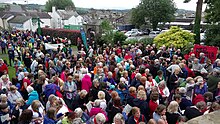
(66, 14)
(41, 15)
(19, 19)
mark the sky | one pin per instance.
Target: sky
(110, 4)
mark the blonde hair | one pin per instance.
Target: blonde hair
(100, 118)
(173, 107)
(101, 95)
(141, 87)
(132, 89)
(142, 95)
(35, 105)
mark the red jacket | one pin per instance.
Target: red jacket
(4, 68)
(153, 106)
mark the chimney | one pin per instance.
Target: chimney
(53, 9)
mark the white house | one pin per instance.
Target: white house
(21, 23)
(4, 20)
(65, 17)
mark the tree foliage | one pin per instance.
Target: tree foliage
(175, 36)
(213, 11)
(212, 34)
(197, 25)
(154, 11)
(59, 4)
(119, 36)
(107, 32)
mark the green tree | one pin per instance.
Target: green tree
(59, 4)
(107, 32)
(154, 11)
(197, 24)
(176, 37)
(212, 34)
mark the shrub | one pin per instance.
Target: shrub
(119, 36)
(175, 36)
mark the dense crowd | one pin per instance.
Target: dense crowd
(133, 84)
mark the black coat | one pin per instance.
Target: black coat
(143, 105)
(111, 114)
(172, 118)
(141, 119)
(192, 112)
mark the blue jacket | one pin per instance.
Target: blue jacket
(48, 120)
(32, 96)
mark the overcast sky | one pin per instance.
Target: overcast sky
(110, 4)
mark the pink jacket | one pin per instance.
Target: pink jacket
(86, 83)
(95, 110)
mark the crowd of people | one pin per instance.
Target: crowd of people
(133, 84)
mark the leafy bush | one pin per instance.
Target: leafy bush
(62, 33)
(213, 35)
(146, 41)
(119, 36)
(175, 36)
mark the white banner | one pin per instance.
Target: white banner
(53, 46)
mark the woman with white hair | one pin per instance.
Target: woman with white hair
(99, 119)
(101, 96)
(32, 95)
(172, 113)
(163, 90)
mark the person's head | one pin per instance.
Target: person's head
(173, 107)
(4, 107)
(162, 84)
(52, 98)
(177, 71)
(100, 118)
(141, 95)
(215, 106)
(13, 89)
(30, 89)
(161, 109)
(26, 116)
(78, 112)
(160, 73)
(3, 98)
(121, 86)
(177, 98)
(138, 76)
(141, 87)
(149, 77)
(114, 94)
(136, 112)
(190, 80)
(196, 61)
(201, 105)
(4, 78)
(70, 78)
(101, 95)
(76, 77)
(36, 104)
(154, 96)
(182, 91)
(132, 90)
(83, 94)
(117, 101)
(109, 74)
(218, 86)
(20, 102)
(119, 119)
(51, 113)
(208, 96)
(143, 80)
(96, 83)
(71, 116)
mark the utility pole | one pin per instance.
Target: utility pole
(39, 28)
